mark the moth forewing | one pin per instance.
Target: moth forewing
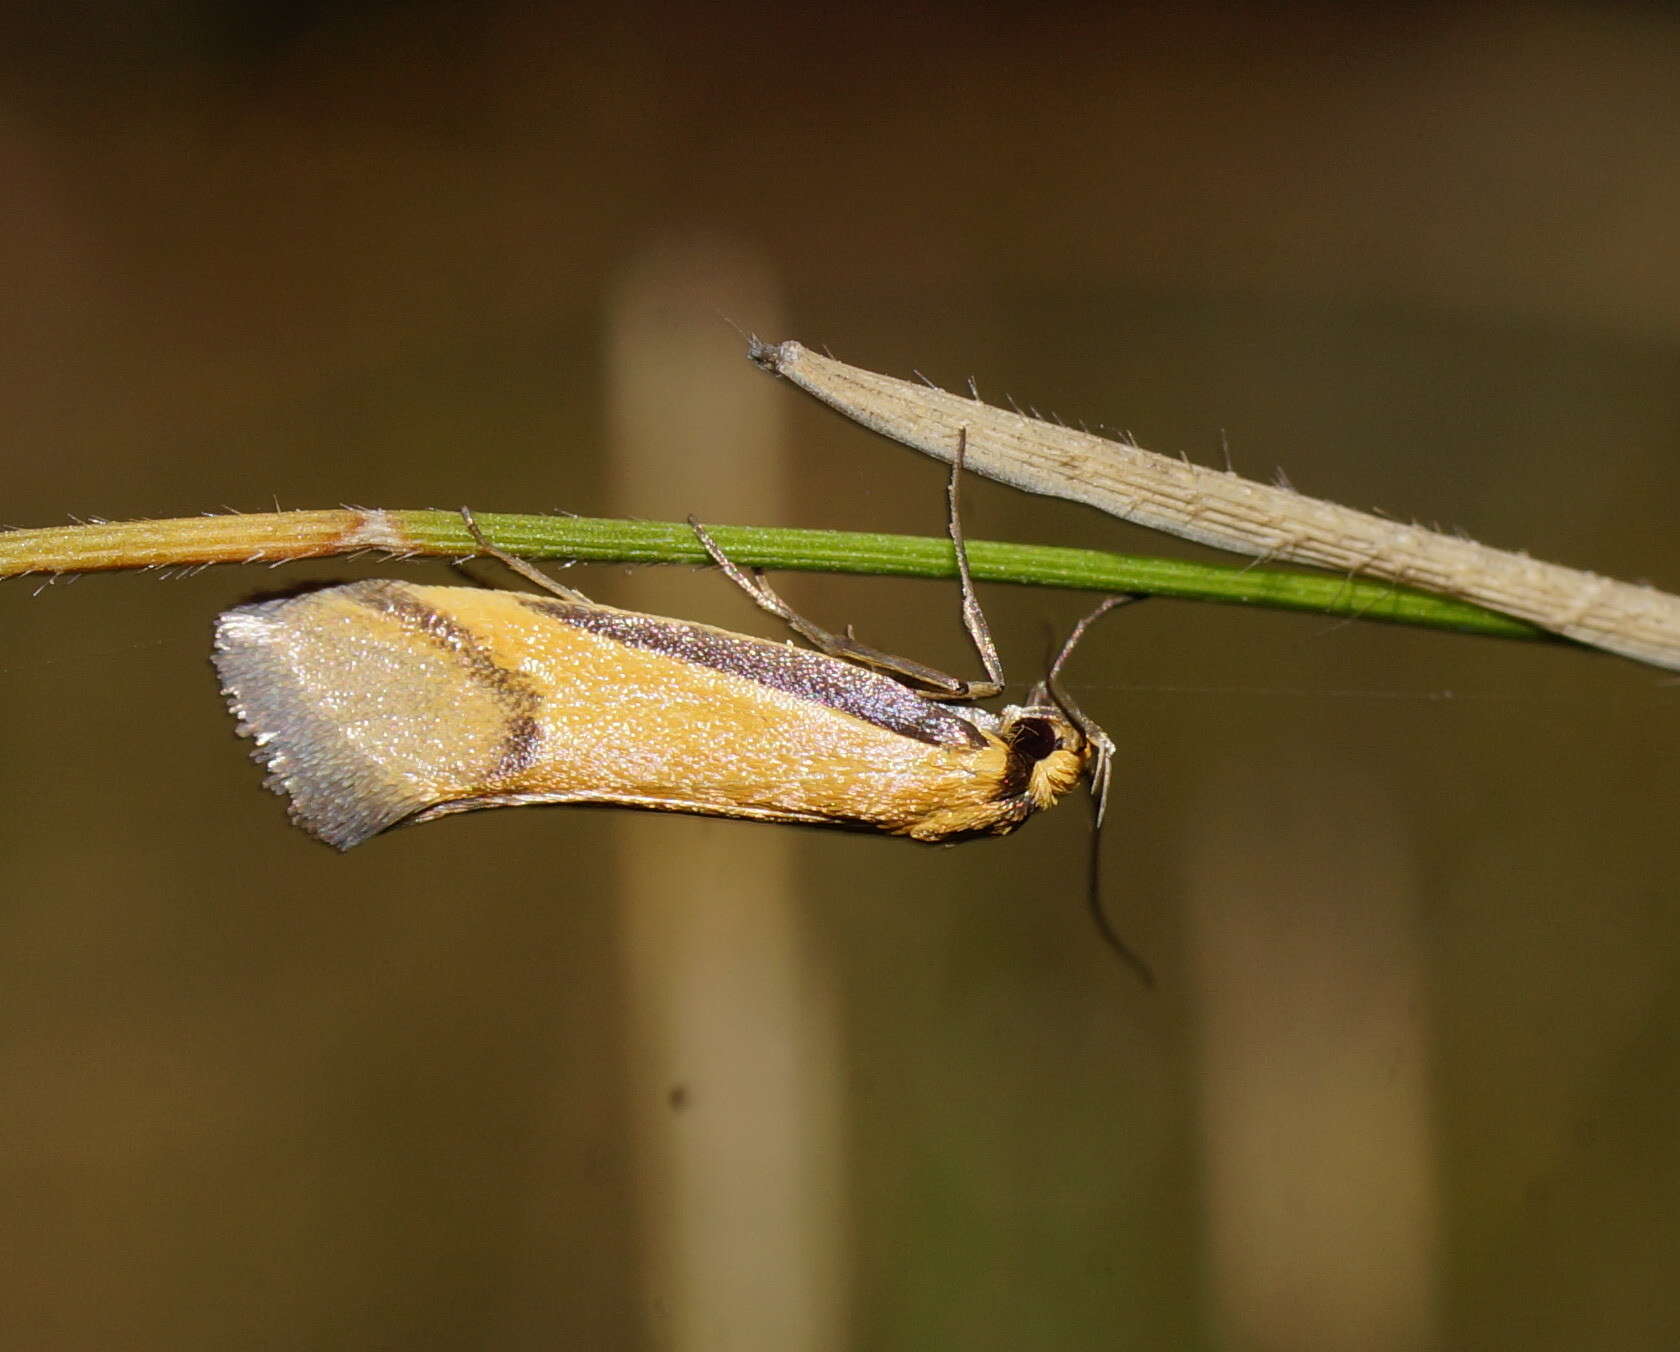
(383, 702)
(380, 702)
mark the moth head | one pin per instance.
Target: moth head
(1051, 751)
(1088, 746)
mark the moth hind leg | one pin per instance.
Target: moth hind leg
(527, 570)
(925, 680)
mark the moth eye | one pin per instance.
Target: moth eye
(1034, 738)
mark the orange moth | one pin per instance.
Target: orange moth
(385, 702)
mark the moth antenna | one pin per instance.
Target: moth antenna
(1102, 752)
(1105, 927)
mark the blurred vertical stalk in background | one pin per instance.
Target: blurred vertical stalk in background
(731, 1052)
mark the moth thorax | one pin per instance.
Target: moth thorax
(1048, 755)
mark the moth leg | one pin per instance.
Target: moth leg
(530, 572)
(1050, 690)
(974, 619)
(925, 680)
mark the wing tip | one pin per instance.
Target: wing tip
(331, 789)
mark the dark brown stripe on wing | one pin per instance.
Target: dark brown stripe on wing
(513, 690)
(813, 676)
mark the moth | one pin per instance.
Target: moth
(382, 702)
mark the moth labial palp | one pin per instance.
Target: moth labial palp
(382, 703)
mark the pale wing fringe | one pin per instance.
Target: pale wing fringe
(1222, 509)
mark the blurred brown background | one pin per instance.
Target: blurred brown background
(545, 1079)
